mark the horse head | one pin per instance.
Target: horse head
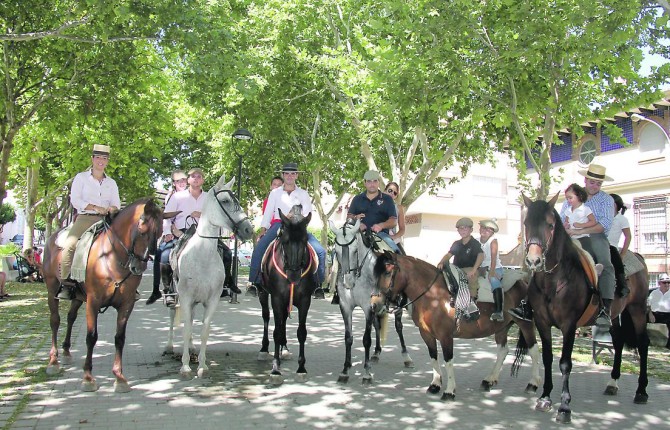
(349, 250)
(138, 228)
(297, 258)
(543, 229)
(229, 214)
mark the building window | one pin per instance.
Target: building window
(652, 138)
(651, 234)
(587, 152)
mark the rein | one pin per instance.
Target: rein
(285, 276)
(345, 263)
(389, 293)
(236, 207)
(544, 248)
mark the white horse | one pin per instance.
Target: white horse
(355, 284)
(199, 271)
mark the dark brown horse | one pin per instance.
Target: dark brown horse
(433, 314)
(562, 294)
(288, 278)
(114, 270)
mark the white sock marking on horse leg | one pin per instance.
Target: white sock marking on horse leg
(535, 378)
(501, 352)
(451, 377)
(436, 373)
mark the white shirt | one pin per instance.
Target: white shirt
(280, 199)
(659, 302)
(88, 190)
(486, 247)
(581, 214)
(618, 224)
(185, 202)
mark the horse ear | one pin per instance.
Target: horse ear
(552, 202)
(308, 218)
(526, 200)
(357, 224)
(221, 183)
(282, 216)
(331, 224)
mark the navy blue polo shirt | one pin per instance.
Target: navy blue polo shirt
(377, 210)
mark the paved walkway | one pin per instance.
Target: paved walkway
(237, 394)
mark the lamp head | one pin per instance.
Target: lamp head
(242, 134)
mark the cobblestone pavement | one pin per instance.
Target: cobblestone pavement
(237, 393)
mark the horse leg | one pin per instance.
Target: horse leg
(263, 354)
(367, 343)
(279, 337)
(565, 364)
(502, 349)
(187, 318)
(527, 330)
(544, 402)
(347, 312)
(121, 383)
(210, 309)
(407, 360)
(301, 374)
(376, 323)
(71, 318)
(449, 393)
(431, 343)
(53, 367)
(169, 347)
(640, 323)
(88, 383)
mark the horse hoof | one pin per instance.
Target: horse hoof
(531, 388)
(366, 380)
(564, 417)
(276, 379)
(202, 372)
(343, 379)
(543, 405)
(286, 355)
(185, 373)
(485, 386)
(168, 351)
(89, 386)
(301, 377)
(611, 390)
(375, 358)
(409, 364)
(448, 397)
(66, 360)
(433, 389)
(121, 387)
(264, 356)
(641, 398)
(53, 369)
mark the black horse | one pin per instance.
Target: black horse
(563, 294)
(288, 278)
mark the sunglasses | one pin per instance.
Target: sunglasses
(390, 191)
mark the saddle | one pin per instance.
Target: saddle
(81, 253)
(268, 253)
(181, 243)
(374, 242)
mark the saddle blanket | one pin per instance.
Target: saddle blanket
(80, 258)
(510, 276)
(631, 264)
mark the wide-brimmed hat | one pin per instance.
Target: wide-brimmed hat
(595, 172)
(371, 175)
(100, 149)
(490, 223)
(464, 222)
(664, 278)
(196, 170)
(290, 168)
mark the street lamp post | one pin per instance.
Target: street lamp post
(240, 134)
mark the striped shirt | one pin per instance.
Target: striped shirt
(602, 206)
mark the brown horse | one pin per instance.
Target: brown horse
(433, 314)
(117, 259)
(562, 294)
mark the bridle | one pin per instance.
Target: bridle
(236, 208)
(388, 295)
(543, 243)
(346, 263)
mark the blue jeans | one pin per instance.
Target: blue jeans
(266, 240)
(390, 242)
(495, 282)
(162, 256)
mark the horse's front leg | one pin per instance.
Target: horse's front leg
(431, 343)
(301, 374)
(264, 354)
(88, 383)
(347, 314)
(187, 336)
(407, 360)
(279, 337)
(501, 352)
(377, 324)
(367, 343)
(544, 402)
(53, 367)
(169, 347)
(121, 383)
(210, 309)
(447, 372)
(71, 318)
(565, 364)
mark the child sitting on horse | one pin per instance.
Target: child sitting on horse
(468, 256)
(492, 266)
(578, 216)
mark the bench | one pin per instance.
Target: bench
(601, 339)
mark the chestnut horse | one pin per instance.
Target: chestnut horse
(288, 271)
(117, 259)
(434, 315)
(562, 294)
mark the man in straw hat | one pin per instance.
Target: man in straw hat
(93, 195)
(602, 206)
(284, 197)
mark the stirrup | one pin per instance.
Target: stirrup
(170, 299)
(603, 320)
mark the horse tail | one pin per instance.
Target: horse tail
(519, 354)
(383, 327)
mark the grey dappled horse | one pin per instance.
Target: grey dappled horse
(199, 271)
(355, 284)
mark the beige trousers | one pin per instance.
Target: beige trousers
(81, 224)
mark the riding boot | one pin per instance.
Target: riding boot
(166, 279)
(230, 282)
(66, 290)
(622, 285)
(497, 314)
(604, 319)
(523, 312)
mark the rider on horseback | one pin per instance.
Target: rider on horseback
(492, 266)
(93, 195)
